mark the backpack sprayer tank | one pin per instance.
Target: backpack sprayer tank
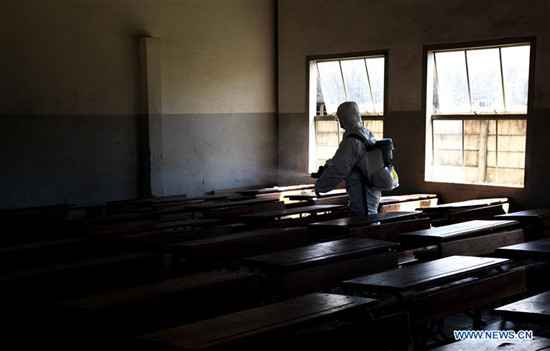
(381, 174)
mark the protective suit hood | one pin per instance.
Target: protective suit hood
(350, 119)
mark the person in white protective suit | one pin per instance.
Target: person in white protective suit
(349, 163)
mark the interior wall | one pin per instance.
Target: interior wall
(70, 128)
(403, 27)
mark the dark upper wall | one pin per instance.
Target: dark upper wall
(69, 97)
(403, 27)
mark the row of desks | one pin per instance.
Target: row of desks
(298, 270)
(459, 276)
(462, 275)
(417, 281)
(525, 314)
(235, 330)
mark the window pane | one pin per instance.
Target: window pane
(479, 149)
(331, 84)
(510, 163)
(485, 80)
(452, 83)
(375, 68)
(448, 153)
(328, 135)
(355, 77)
(486, 149)
(376, 127)
(515, 68)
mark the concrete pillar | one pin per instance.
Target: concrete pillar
(151, 112)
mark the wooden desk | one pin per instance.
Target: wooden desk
(538, 249)
(537, 220)
(324, 265)
(234, 330)
(437, 289)
(276, 189)
(50, 212)
(387, 203)
(390, 230)
(184, 224)
(154, 240)
(42, 253)
(424, 274)
(462, 211)
(220, 250)
(231, 214)
(535, 215)
(121, 206)
(21, 225)
(233, 191)
(462, 205)
(534, 309)
(537, 344)
(450, 232)
(143, 308)
(338, 228)
(311, 195)
(270, 217)
(206, 206)
(128, 228)
(409, 202)
(58, 281)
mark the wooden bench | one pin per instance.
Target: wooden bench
(536, 222)
(322, 266)
(253, 327)
(143, 308)
(339, 228)
(534, 309)
(476, 237)
(222, 250)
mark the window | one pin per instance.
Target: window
(336, 80)
(476, 106)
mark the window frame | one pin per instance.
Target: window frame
(311, 105)
(427, 103)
